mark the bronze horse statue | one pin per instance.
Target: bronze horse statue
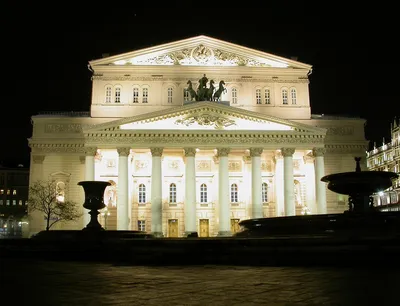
(191, 91)
(221, 89)
(209, 93)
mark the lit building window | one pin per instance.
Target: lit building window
(234, 96)
(60, 192)
(14, 202)
(267, 96)
(142, 225)
(2, 191)
(293, 95)
(1, 202)
(135, 95)
(172, 193)
(108, 94)
(145, 96)
(284, 96)
(8, 202)
(8, 191)
(203, 193)
(20, 202)
(170, 95)
(142, 194)
(234, 193)
(14, 192)
(264, 194)
(258, 96)
(117, 94)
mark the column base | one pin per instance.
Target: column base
(158, 234)
(191, 235)
(224, 234)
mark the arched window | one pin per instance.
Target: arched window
(234, 95)
(234, 193)
(267, 96)
(117, 95)
(203, 193)
(186, 95)
(258, 96)
(145, 95)
(142, 194)
(264, 192)
(135, 95)
(172, 193)
(293, 95)
(170, 91)
(108, 94)
(284, 96)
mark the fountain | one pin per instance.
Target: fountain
(362, 219)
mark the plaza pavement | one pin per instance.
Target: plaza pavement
(36, 282)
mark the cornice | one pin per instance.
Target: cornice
(57, 148)
(346, 148)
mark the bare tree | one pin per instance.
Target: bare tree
(44, 196)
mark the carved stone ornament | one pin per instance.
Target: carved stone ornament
(319, 151)
(202, 55)
(287, 152)
(156, 151)
(340, 130)
(254, 152)
(190, 152)
(219, 123)
(90, 151)
(203, 165)
(124, 151)
(247, 159)
(223, 151)
(63, 128)
(38, 159)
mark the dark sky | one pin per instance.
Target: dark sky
(46, 51)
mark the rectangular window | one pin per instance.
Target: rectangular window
(267, 96)
(258, 96)
(234, 96)
(14, 192)
(172, 193)
(1, 202)
(136, 95)
(108, 94)
(284, 96)
(145, 95)
(169, 95)
(20, 202)
(8, 202)
(293, 96)
(14, 202)
(142, 225)
(117, 95)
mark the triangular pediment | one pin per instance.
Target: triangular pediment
(199, 51)
(204, 116)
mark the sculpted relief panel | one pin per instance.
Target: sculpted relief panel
(340, 130)
(63, 128)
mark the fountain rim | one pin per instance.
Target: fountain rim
(360, 175)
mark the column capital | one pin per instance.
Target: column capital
(287, 152)
(90, 151)
(38, 159)
(308, 158)
(319, 151)
(247, 159)
(256, 151)
(223, 151)
(156, 151)
(190, 152)
(124, 151)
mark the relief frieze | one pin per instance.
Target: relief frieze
(340, 130)
(203, 165)
(63, 128)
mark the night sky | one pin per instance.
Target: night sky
(46, 52)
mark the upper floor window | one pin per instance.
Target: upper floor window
(2, 191)
(284, 96)
(108, 94)
(258, 96)
(145, 95)
(117, 95)
(203, 193)
(14, 192)
(293, 95)
(8, 191)
(135, 95)
(264, 192)
(142, 225)
(170, 91)
(172, 193)
(234, 96)
(60, 192)
(142, 194)
(234, 193)
(186, 95)
(267, 96)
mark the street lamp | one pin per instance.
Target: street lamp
(105, 213)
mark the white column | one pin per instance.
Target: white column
(288, 181)
(256, 182)
(90, 153)
(190, 192)
(35, 218)
(320, 187)
(310, 186)
(122, 195)
(278, 178)
(224, 193)
(156, 192)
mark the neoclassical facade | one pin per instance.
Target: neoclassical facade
(180, 164)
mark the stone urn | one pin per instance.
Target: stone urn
(94, 201)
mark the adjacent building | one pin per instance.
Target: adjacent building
(387, 158)
(194, 136)
(14, 189)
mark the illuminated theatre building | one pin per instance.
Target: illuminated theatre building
(178, 164)
(387, 158)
